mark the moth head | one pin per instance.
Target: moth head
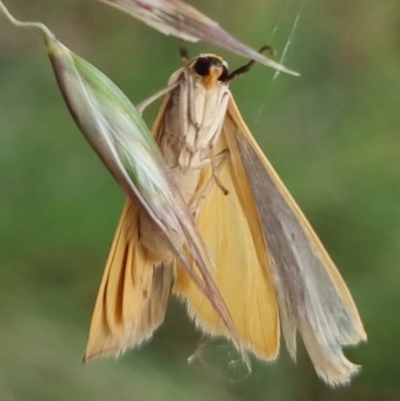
(210, 68)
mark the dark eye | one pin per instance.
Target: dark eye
(202, 66)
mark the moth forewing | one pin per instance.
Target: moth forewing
(312, 296)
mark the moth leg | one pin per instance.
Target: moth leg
(147, 102)
(247, 67)
(201, 194)
(196, 204)
(216, 164)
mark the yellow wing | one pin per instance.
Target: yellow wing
(312, 295)
(135, 287)
(232, 233)
(133, 294)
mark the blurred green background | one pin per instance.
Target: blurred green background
(333, 135)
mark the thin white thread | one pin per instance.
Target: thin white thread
(285, 51)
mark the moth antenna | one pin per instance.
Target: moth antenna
(247, 67)
(183, 52)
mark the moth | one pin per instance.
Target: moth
(270, 267)
(271, 272)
